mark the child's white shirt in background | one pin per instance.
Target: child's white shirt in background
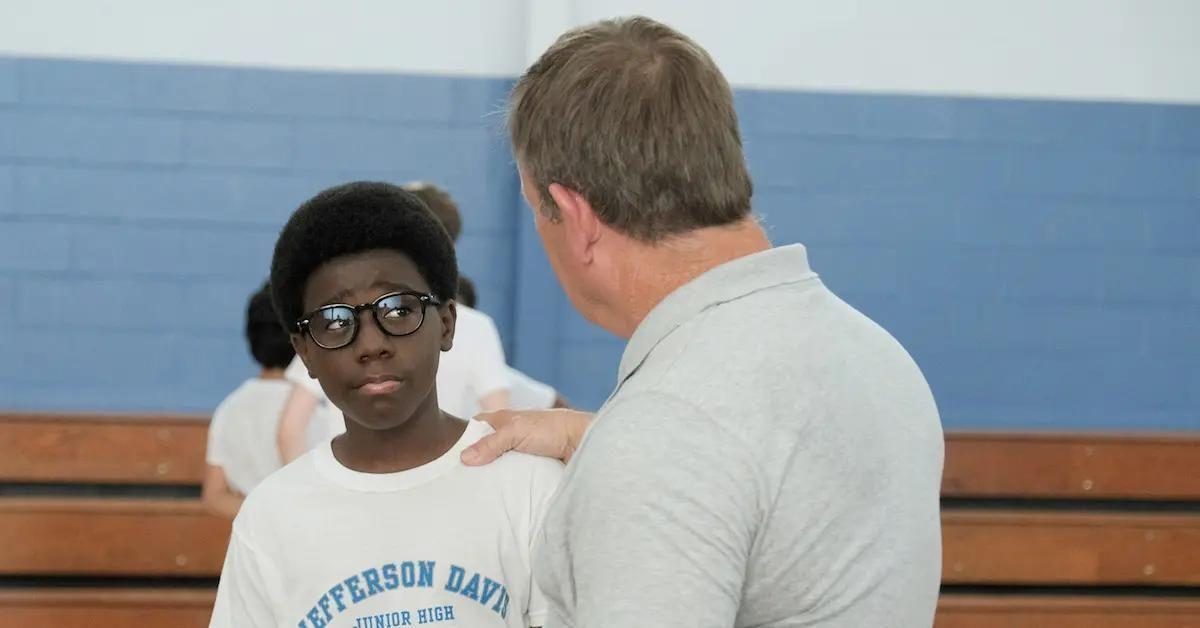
(243, 431)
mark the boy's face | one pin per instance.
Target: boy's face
(358, 377)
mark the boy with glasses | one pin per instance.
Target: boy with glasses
(471, 378)
(383, 525)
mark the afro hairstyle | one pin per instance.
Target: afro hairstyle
(268, 340)
(354, 218)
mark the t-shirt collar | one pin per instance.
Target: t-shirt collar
(329, 467)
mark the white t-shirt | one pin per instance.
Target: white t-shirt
(321, 545)
(528, 393)
(242, 433)
(471, 370)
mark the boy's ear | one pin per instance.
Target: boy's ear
(449, 315)
(301, 348)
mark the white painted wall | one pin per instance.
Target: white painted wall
(1145, 50)
(483, 37)
(1074, 49)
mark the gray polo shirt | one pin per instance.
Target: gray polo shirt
(770, 457)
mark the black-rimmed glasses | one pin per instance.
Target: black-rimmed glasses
(336, 326)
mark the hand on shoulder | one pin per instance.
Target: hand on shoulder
(552, 433)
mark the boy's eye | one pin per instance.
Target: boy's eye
(338, 325)
(397, 312)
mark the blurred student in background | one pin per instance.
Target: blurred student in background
(473, 376)
(525, 392)
(241, 437)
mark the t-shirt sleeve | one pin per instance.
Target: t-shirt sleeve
(490, 372)
(245, 595)
(528, 393)
(297, 373)
(662, 508)
(544, 480)
(214, 452)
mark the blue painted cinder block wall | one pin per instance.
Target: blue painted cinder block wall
(139, 205)
(1041, 260)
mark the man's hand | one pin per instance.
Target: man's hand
(549, 433)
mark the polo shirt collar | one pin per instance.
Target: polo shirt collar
(728, 282)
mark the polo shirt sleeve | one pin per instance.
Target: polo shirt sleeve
(663, 510)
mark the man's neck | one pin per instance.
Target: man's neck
(426, 436)
(652, 272)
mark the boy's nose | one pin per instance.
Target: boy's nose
(371, 343)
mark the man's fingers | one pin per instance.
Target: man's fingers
(488, 448)
(550, 433)
(497, 419)
(492, 446)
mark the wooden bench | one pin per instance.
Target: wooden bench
(1070, 548)
(111, 537)
(1055, 530)
(81, 502)
(1104, 528)
(1066, 611)
(107, 608)
(103, 449)
(1073, 466)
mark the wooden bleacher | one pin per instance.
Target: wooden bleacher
(102, 522)
(102, 449)
(106, 608)
(93, 536)
(102, 526)
(1070, 530)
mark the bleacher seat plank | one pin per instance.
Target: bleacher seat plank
(116, 537)
(1070, 548)
(991, 538)
(1051, 611)
(1073, 466)
(102, 449)
(106, 608)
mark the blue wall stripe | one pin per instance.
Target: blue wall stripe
(1041, 260)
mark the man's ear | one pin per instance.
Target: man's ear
(448, 312)
(580, 222)
(301, 348)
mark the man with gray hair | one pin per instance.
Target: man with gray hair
(770, 456)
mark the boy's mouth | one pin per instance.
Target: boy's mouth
(380, 385)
